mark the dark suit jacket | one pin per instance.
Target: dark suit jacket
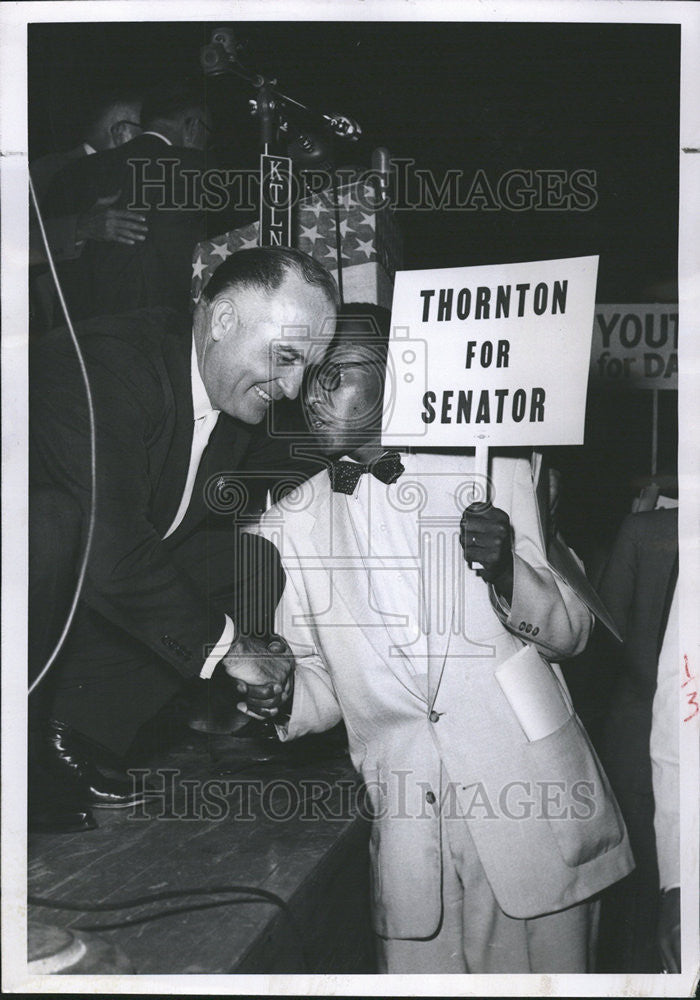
(636, 588)
(112, 278)
(139, 372)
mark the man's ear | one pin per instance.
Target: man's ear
(224, 318)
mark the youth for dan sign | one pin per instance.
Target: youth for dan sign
(494, 355)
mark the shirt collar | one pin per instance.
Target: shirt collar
(151, 132)
(200, 400)
(89, 150)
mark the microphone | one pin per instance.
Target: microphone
(343, 126)
(224, 37)
(221, 53)
(215, 60)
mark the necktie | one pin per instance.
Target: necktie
(346, 475)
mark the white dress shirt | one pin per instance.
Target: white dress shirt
(205, 417)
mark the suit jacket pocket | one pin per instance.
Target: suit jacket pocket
(533, 692)
(574, 794)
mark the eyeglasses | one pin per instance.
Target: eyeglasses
(330, 376)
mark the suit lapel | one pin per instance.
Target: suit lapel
(353, 599)
(214, 488)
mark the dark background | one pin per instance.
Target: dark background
(461, 96)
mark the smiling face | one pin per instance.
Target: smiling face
(247, 354)
(343, 400)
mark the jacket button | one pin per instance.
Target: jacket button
(535, 630)
(528, 629)
(430, 798)
(433, 716)
(521, 627)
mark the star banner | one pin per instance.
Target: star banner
(369, 235)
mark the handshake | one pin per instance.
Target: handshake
(263, 672)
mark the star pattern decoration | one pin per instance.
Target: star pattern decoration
(311, 233)
(248, 242)
(316, 209)
(198, 268)
(365, 246)
(220, 250)
(315, 224)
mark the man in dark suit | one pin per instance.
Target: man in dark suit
(114, 120)
(174, 420)
(637, 587)
(161, 175)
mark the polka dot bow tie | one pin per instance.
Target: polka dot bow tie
(346, 475)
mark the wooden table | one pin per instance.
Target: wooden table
(280, 817)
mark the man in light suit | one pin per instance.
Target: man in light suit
(493, 822)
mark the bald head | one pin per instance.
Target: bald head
(114, 124)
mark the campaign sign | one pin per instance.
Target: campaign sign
(636, 346)
(490, 356)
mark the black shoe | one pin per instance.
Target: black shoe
(67, 760)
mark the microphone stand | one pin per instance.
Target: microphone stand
(219, 59)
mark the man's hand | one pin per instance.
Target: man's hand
(263, 672)
(668, 931)
(111, 225)
(486, 537)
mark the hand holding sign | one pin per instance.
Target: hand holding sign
(486, 536)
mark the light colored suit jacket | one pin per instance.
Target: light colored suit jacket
(442, 717)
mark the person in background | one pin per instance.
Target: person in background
(665, 776)
(160, 174)
(636, 587)
(115, 120)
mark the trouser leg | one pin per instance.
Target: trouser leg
(54, 557)
(496, 943)
(444, 952)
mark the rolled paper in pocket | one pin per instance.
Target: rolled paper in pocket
(534, 693)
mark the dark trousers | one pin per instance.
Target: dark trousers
(54, 555)
(106, 683)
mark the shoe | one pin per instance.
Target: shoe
(67, 760)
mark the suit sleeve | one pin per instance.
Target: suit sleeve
(618, 582)
(315, 706)
(131, 578)
(544, 610)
